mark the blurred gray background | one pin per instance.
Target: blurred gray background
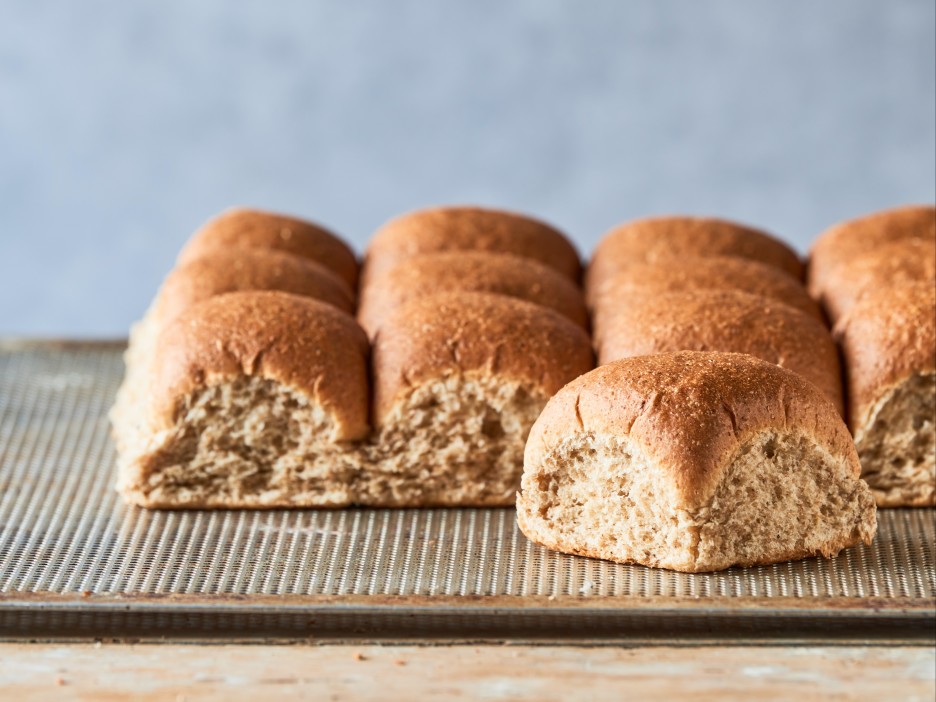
(123, 125)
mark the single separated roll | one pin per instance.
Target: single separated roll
(693, 462)
(841, 244)
(891, 265)
(247, 402)
(469, 271)
(888, 341)
(469, 229)
(243, 228)
(714, 273)
(724, 320)
(659, 239)
(459, 379)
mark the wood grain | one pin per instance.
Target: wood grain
(249, 672)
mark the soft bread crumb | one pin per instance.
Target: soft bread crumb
(897, 445)
(250, 442)
(781, 497)
(457, 440)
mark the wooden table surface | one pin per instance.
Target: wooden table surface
(176, 672)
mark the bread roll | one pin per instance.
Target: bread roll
(469, 229)
(247, 403)
(891, 265)
(693, 462)
(459, 379)
(470, 271)
(253, 229)
(842, 243)
(725, 320)
(219, 271)
(888, 341)
(658, 239)
(715, 273)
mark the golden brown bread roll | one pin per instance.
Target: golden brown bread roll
(724, 320)
(247, 403)
(658, 239)
(888, 341)
(254, 229)
(458, 380)
(693, 461)
(469, 271)
(714, 273)
(219, 271)
(891, 265)
(839, 245)
(469, 229)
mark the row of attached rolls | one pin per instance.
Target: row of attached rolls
(711, 434)
(876, 278)
(476, 320)
(250, 384)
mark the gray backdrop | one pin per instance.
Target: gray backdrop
(123, 125)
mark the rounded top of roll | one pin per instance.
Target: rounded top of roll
(892, 265)
(441, 229)
(841, 243)
(223, 270)
(467, 332)
(308, 346)
(665, 238)
(724, 320)
(256, 229)
(711, 273)
(470, 271)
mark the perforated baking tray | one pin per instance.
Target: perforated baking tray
(74, 561)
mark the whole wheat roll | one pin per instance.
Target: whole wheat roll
(459, 378)
(842, 243)
(249, 401)
(660, 239)
(693, 461)
(469, 271)
(715, 273)
(255, 229)
(725, 320)
(891, 265)
(441, 229)
(888, 341)
(216, 271)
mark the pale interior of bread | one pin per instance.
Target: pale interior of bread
(247, 442)
(455, 440)
(781, 497)
(897, 444)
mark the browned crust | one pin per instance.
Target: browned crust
(886, 337)
(666, 238)
(690, 412)
(217, 271)
(724, 320)
(843, 242)
(451, 333)
(255, 229)
(715, 273)
(470, 271)
(897, 264)
(469, 229)
(307, 345)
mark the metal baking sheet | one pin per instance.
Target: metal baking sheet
(75, 561)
